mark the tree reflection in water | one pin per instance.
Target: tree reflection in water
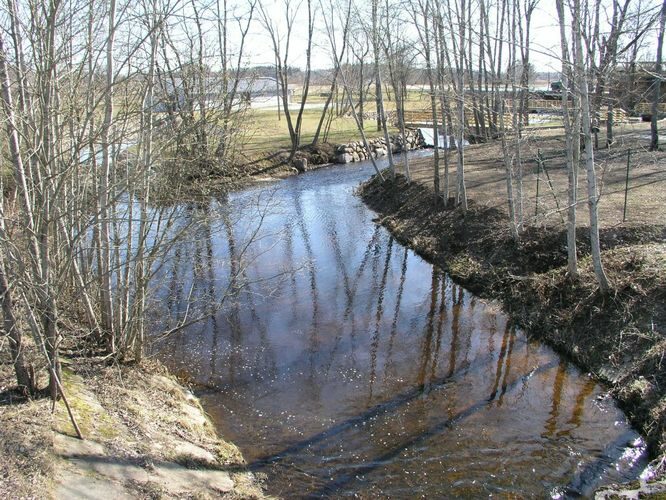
(363, 369)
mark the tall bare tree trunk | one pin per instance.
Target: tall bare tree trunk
(442, 55)
(572, 146)
(426, 12)
(28, 219)
(378, 77)
(24, 373)
(106, 297)
(398, 90)
(656, 96)
(461, 191)
(592, 193)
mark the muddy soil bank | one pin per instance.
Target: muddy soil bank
(617, 336)
(177, 185)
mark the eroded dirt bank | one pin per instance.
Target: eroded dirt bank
(146, 436)
(617, 336)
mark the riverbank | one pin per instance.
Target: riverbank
(146, 436)
(618, 336)
(175, 185)
(256, 168)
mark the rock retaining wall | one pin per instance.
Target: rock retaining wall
(356, 151)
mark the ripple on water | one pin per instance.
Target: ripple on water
(363, 370)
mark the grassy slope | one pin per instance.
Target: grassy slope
(142, 430)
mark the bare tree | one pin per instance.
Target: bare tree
(381, 112)
(360, 48)
(422, 13)
(586, 122)
(572, 138)
(656, 97)
(399, 57)
(506, 129)
(461, 17)
(24, 371)
(336, 69)
(330, 31)
(281, 44)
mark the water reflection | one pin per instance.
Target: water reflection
(363, 370)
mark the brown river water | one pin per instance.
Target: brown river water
(342, 364)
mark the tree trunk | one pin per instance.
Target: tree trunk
(426, 11)
(104, 189)
(592, 194)
(24, 372)
(570, 133)
(656, 96)
(461, 192)
(378, 76)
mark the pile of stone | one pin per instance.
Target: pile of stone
(356, 151)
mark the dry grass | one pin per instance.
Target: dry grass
(486, 180)
(26, 460)
(137, 422)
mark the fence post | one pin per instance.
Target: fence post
(552, 190)
(536, 204)
(626, 186)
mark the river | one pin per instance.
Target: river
(342, 364)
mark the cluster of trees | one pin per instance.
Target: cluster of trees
(99, 98)
(475, 58)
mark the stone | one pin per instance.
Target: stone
(344, 158)
(120, 471)
(176, 478)
(193, 416)
(72, 486)
(189, 451)
(91, 456)
(301, 164)
(67, 447)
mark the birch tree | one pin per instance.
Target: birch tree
(658, 77)
(571, 123)
(586, 123)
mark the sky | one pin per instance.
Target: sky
(545, 42)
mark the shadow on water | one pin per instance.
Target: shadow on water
(423, 436)
(364, 370)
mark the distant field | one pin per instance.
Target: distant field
(266, 132)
